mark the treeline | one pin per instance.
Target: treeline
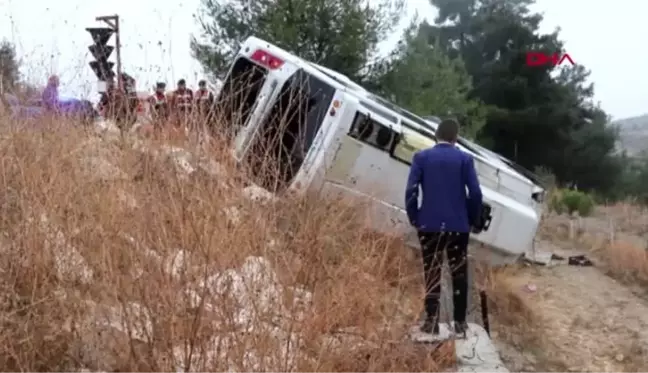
(9, 67)
(470, 63)
(11, 80)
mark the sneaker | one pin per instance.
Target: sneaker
(430, 327)
(460, 329)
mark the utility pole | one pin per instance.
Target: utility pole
(101, 51)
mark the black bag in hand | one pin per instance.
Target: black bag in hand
(483, 220)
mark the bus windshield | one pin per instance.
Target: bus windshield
(239, 93)
(290, 128)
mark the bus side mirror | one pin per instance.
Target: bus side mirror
(538, 196)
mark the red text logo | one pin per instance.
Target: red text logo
(544, 59)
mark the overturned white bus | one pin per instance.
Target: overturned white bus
(355, 143)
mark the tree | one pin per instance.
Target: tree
(425, 80)
(9, 72)
(543, 116)
(634, 178)
(340, 34)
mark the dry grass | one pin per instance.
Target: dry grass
(626, 262)
(115, 259)
(626, 256)
(506, 307)
(607, 316)
(616, 237)
(517, 327)
(629, 217)
(503, 292)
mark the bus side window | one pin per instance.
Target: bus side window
(371, 132)
(410, 142)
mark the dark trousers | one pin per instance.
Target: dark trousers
(456, 248)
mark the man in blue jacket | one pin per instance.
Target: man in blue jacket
(444, 218)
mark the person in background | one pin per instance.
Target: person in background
(105, 105)
(50, 94)
(119, 104)
(204, 102)
(182, 101)
(159, 105)
(129, 101)
(444, 219)
(128, 84)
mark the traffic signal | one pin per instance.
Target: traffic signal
(102, 68)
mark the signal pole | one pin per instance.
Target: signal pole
(101, 51)
(113, 22)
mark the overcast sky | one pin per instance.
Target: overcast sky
(50, 37)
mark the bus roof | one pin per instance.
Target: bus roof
(396, 115)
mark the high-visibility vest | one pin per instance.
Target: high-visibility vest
(158, 99)
(202, 96)
(183, 99)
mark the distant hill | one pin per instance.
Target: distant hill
(633, 134)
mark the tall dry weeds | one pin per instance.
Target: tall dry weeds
(128, 255)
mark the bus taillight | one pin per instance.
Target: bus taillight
(336, 105)
(266, 59)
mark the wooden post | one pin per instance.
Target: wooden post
(612, 232)
(572, 228)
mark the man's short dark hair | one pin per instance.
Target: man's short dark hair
(202, 83)
(448, 130)
(182, 82)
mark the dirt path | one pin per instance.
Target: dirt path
(588, 321)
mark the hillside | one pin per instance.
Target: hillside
(634, 134)
(151, 255)
(143, 254)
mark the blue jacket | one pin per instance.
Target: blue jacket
(443, 173)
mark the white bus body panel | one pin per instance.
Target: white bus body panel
(360, 170)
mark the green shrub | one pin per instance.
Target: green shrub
(586, 207)
(571, 201)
